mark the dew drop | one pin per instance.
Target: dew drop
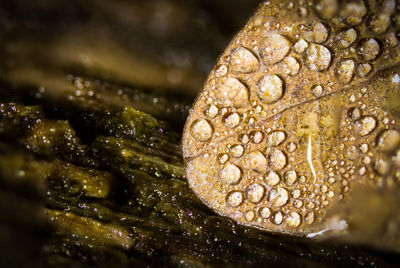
(234, 199)
(318, 33)
(327, 8)
(276, 138)
(257, 136)
(274, 48)
(290, 177)
(293, 219)
(201, 130)
(232, 92)
(272, 178)
(388, 140)
(292, 66)
(291, 147)
(277, 160)
(243, 60)
(365, 125)
(296, 193)
(364, 69)
(223, 158)
(255, 193)
(345, 71)
(382, 167)
(269, 88)
(369, 49)
(300, 46)
(236, 151)
(255, 161)
(278, 196)
(316, 90)
(379, 23)
(354, 113)
(364, 148)
(264, 212)
(230, 174)
(317, 57)
(250, 215)
(347, 38)
(309, 218)
(231, 120)
(221, 70)
(278, 218)
(212, 111)
(353, 12)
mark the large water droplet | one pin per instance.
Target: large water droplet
(232, 92)
(278, 196)
(365, 125)
(369, 49)
(293, 219)
(317, 34)
(230, 174)
(292, 66)
(201, 130)
(269, 88)
(255, 161)
(255, 193)
(272, 178)
(345, 70)
(317, 57)
(277, 160)
(276, 138)
(234, 199)
(231, 120)
(244, 61)
(290, 177)
(347, 38)
(388, 140)
(274, 48)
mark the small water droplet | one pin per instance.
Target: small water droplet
(317, 57)
(212, 111)
(345, 70)
(223, 158)
(278, 218)
(231, 174)
(237, 151)
(309, 218)
(234, 199)
(327, 8)
(364, 148)
(292, 66)
(364, 69)
(278, 196)
(221, 70)
(382, 167)
(369, 49)
(365, 125)
(264, 212)
(296, 193)
(316, 90)
(255, 161)
(290, 177)
(257, 136)
(231, 120)
(255, 193)
(317, 34)
(354, 113)
(269, 88)
(274, 48)
(347, 38)
(243, 60)
(201, 130)
(293, 219)
(250, 215)
(276, 138)
(277, 160)
(291, 147)
(379, 23)
(272, 178)
(353, 12)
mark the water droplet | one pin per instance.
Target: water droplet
(316, 90)
(354, 113)
(232, 120)
(364, 69)
(255, 161)
(278, 196)
(269, 88)
(232, 92)
(292, 66)
(277, 159)
(396, 158)
(223, 158)
(353, 12)
(290, 177)
(365, 125)
(244, 138)
(317, 34)
(257, 136)
(300, 46)
(382, 167)
(347, 38)
(274, 48)
(369, 49)
(296, 193)
(231, 174)
(293, 219)
(276, 138)
(237, 151)
(272, 178)
(291, 147)
(364, 148)
(388, 140)
(345, 71)
(264, 212)
(221, 70)
(212, 111)
(234, 199)
(250, 215)
(309, 218)
(278, 218)
(201, 130)
(379, 23)
(327, 8)
(255, 193)
(244, 61)
(317, 57)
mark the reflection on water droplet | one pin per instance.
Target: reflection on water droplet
(272, 178)
(244, 61)
(234, 199)
(231, 174)
(255, 193)
(201, 130)
(269, 88)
